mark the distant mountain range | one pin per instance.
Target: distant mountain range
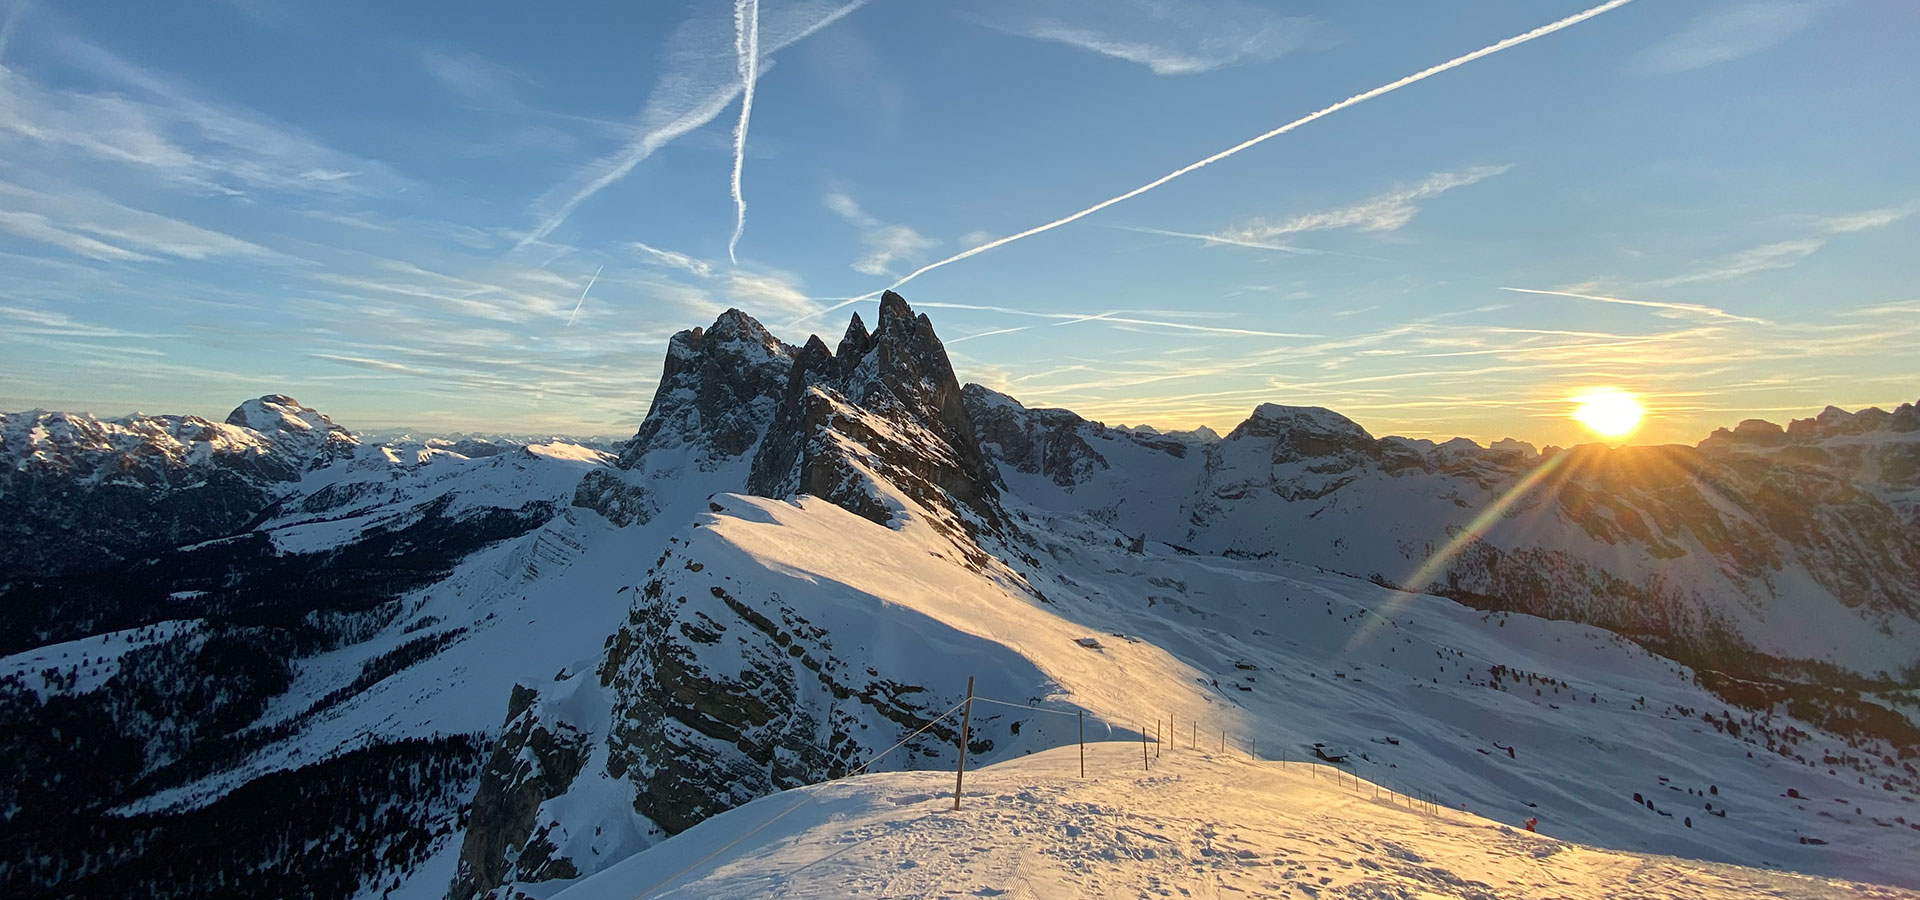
(493, 667)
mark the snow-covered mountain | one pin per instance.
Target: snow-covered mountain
(75, 489)
(500, 675)
(1802, 544)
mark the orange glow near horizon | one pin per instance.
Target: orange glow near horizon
(1609, 412)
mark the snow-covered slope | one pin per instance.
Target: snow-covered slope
(771, 647)
(1801, 545)
(1194, 824)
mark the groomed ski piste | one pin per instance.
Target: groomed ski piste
(1188, 823)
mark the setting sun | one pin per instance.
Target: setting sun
(1609, 412)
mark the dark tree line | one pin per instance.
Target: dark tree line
(317, 833)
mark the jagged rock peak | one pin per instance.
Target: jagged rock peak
(718, 389)
(908, 361)
(857, 341)
(898, 374)
(736, 325)
(741, 334)
(894, 306)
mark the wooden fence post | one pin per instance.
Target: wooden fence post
(1083, 743)
(966, 725)
(1143, 747)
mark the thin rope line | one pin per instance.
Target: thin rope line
(1057, 712)
(923, 728)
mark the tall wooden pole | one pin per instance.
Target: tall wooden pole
(1083, 743)
(1144, 764)
(966, 725)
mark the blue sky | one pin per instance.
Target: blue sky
(390, 211)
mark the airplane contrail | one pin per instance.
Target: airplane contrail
(746, 25)
(637, 151)
(1654, 304)
(583, 294)
(1237, 242)
(1354, 100)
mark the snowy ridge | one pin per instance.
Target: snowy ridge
(1195, 824)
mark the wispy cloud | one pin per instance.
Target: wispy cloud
(1727, 33)
(1864, 221)
(47, 323)
(674, 259)
(1784, 254)
(1386, 212)
(1898, 308)
(1673, 309)
(151, 123)
(767, 293)
(35, 227)
(696, 87)
(91, 225)
(886, 244)
(1168, 39)
(1777, 255)
(472, 76)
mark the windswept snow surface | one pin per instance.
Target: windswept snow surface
(1194, 824)
(1608, 744)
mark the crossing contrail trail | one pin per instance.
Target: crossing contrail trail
(583, 294)
(613, 168)
(746, 25)
(1354, 100)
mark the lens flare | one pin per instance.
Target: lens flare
(1609, 412)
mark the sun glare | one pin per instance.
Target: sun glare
(1609, 412)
